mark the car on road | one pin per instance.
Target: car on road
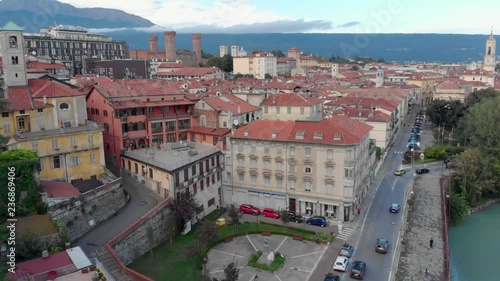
(331, 277)
(399, 172)
(270, 213)
(358, 269)
(341, 264)
(422, 171)
(382, 246)
(220, 222)
(249, 209)
(346, 251)
(394, 208)
(292, 216)
(317, 220)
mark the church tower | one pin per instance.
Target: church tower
(12, 52)
(490, 56)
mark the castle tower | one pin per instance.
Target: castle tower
(235, 50)
(379, 78)
(153, 43)
(197, 48)
(489, 55)
(170, 50)
(335, 68)
(12, 53)
(222, 50)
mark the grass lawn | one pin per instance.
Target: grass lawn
(168, 261)
(39, 225)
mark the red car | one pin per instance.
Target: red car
(270, 213)
(249, 209)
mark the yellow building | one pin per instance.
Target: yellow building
(426, 82)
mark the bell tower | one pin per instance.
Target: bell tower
(12, 52)
(490, 54)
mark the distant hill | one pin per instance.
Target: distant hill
(35, 14)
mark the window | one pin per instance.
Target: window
(253, 178)
(292, 150)
(92, 158)
(228, 176)
(348, 173)
(41, 119)
(329, 171)
(105, 112)
(211, 202)
(6, 127)
(254, 148)
(241, 162)
(279, 166)
(329, 154)
(279, 150)
(267, 164)
(307, 186)
(73, 140)
(195, 189)
(241, 178)
(204, 137)
(12, 41)
(64, 106)
(266, 109)
(279, 183)
(186, 175)
(253, 163)
(329, 188)
(291, 167)
(55, 144)
(302, 111)
(277, 110)
(75, 161)
(91, 140)
(5, 114)
(224, 124)
(266, 149)
(308, 152)
(202, 184)
(291, 183)
(348, 155)
(289, 110)
(267, 180)
(56, 162)
(96, 111)
(34, 146)
(42, 164)
(213, 179)
(14, 59)
(307, 169)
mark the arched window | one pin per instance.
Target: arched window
(140, 126)
(489, 51)
(13, 41)
(64, 106)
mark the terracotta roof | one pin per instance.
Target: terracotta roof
(57, 189)
(42, 265)
(447, 85)
(20, 99)
(476, 72)
(192, 71)
(52, 89)
(37, 64)
(230, 103)
(171, 65)
(209, 131)
(137, 88)
(290, 100)
(379, 116)
(338, 130)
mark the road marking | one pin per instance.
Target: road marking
(280, 244)
(255, 248)
(277, 277)
(346, 232)
(394, 183)
(316, 265)
(313, 253)
(253, 278)
(399, 236)
(226, 253)
(301, 270)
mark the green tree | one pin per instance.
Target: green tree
(4, 103)
(268, 76)
(18, 168)
(238, 75)
(256, 51)
(278, 53)
(215, 62)
(207, 232)
(234, 215)
(284, 217)
(231, 272)
(445, 113)
(28, 247)
(435, 152)
(459, 208)
(183, 207)
(479, 95)
(337, 59)
(354, 68)
(227, 63)
(205, 55)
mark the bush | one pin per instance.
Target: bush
(454, 150)
(435, 152)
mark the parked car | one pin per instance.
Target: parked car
(394, 208)
(358, 269)
(421, 171)
(382, 246)
(399, 172)
(220, 222)
(249, 209)
(341, 264)
(346, 251)
(331, 277)
(317, 220)
(270, 213)
(292, 216)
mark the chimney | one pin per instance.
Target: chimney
(45, 99)
(170, 50)
(153, 43)
(197, 48)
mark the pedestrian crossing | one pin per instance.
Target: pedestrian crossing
(399, 152)
(346, 232)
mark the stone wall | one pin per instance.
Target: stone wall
(81, 214)
(49, 241)
(145, 234)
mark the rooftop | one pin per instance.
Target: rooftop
(90, 126)
(57, 189)
(173, 155)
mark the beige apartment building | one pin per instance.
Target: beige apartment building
(449, 90)
(258, 65)
(310, 167)
(291, 106)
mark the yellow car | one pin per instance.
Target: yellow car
(399, 172)
(220, 222)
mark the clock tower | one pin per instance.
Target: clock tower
(489, 55)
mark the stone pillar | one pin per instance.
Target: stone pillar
(170, 49)
(197, 48)
(153, 43)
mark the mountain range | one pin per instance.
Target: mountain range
(35, 14)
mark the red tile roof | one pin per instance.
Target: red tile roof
(42, 265)
(192, 71)
(52, 89)
(20, 99)
(230, 103)
(171, 65)
(379, 116)
(209, 131)
(447, 85)
(290, 100)
(57, 189)
(37, 64)
(338, 130)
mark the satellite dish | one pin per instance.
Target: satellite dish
(236, 122)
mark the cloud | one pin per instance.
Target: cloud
(279, 26)
(151, 29)
(349, 24)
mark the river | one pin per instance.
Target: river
(475, 246)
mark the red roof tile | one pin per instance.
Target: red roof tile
(379, 116)
(230, 103)
(447, 85)
(52, 89)
(37, 64)
(171, 65)
(42, 265)
(338, 130)
(192, 71)
(209, 131)
(20, 99)
(286, 99)
(57, 189)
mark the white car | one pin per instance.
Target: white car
(341, 263)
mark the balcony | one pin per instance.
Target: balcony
(349, 163)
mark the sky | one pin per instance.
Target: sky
(314, 16)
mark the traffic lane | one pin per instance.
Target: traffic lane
(303, 225)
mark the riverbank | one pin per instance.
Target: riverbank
(482, 206)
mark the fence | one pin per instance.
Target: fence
(44, 276)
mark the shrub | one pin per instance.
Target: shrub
(435, 152)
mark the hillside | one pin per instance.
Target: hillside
(35, 14)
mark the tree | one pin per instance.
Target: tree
(205, 55)
(215, 62)
(445, 113)
(354, 68)
(207, 232)
(234, 215)
(227, 63)
(268, 76)
(256, 51)
(478, 96)
(284, 217)
(184, 208)
(238, 75)
(278, 53)
(231, 272)
(28, 247)
(192, 250)
(459, 208)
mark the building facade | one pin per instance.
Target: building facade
(258, 65)
(225, 111)
(490, 58)
(291, 107)
(310, 167)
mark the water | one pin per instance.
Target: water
(475, 246)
